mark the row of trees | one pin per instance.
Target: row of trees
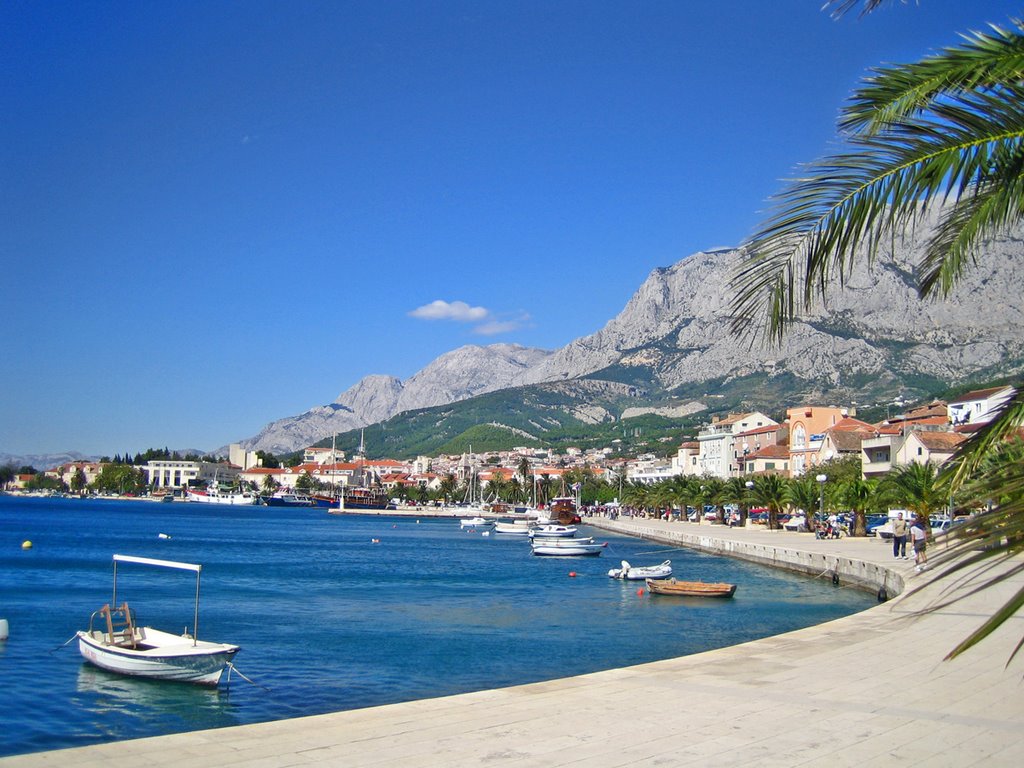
(113, 478)
(914, 487)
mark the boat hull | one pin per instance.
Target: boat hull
(286, 500)
(641, 573)
(231, 499)
(553, 532)
(575, 549)
(512, 529)
(690, 588)
(163, 657)
(354, 499)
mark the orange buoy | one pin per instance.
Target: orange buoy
(572, 574)
(640, 593)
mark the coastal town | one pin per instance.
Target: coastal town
(737, 445)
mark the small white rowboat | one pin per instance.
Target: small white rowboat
(120, 645)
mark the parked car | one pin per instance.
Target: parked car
(874, 522)
(796, 523)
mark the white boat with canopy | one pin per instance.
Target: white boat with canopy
(120, 645)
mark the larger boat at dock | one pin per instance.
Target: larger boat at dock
(214, 495)
(354, 498)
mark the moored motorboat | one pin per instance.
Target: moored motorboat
(690, 588)
(287, 500)
(475, 522)
(566, 547)
(639, 573)
(214, 495)
(120, 645)
(516, 528)
(354, 497)
(553, 531)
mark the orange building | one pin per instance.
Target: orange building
(807, 425)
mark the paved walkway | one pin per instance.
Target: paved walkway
(869, 689)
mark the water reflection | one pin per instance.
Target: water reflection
(115, 699)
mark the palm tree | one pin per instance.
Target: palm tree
(636, 494)
(448, 487)
(734, 491)
(496, 488)
(804, 493)
(544, 488)
(859, 495)
(948, 128)
(916, 487)
(771, 491)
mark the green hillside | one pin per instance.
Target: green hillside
(587, 413)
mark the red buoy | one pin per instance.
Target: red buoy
(572, 574)
(640, 593)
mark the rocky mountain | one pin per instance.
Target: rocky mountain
(456, 375)
(675, 329)
(874, 339)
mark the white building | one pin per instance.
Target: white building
(177, 473)
(978, 407)
(718, 453)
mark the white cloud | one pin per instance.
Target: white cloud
(496, 327)
(459, 311)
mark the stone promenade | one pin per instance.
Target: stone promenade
(866, 690)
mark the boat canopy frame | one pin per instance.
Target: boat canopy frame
(163, 564)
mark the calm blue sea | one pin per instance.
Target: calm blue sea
(329, 620)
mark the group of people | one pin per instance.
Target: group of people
(917, 532)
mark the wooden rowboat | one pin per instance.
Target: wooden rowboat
(690, 588)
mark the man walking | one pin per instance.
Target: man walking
(899, 537)
(919, 533)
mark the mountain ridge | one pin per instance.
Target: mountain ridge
(873, 338)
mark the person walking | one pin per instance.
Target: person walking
(899, 537)
(919, 536)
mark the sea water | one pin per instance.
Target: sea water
(339, 612)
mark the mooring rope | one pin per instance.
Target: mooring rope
(233, 668)
(64, 644)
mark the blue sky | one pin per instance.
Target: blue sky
(215, 214)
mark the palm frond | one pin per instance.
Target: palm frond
(842, 7)
(991, 209)
(894, 93)
(859, 198)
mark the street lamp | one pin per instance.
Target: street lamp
(821, 494)
(746, 507)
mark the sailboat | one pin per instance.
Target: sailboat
(359, 497)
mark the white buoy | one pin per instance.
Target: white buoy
(3, 629)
